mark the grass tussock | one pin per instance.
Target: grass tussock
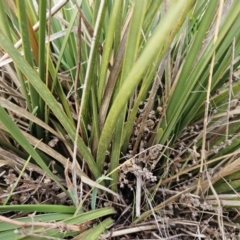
(119, 119)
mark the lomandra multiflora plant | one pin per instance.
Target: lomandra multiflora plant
(119, 118)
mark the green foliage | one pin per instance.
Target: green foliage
(121, 85)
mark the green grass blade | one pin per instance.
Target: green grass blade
(81, 219)
(132, 48)
(63, 50)
(92, 63)
(38, 208)
(19, 137)
(4, 24)
(24, 28)
(97, 230)
(149, 54)
(115, 12)
(50, 101)
(26, 47)
(221, 68)
(94, 138)
(64, 218)
(41, 50)
(134, 37)
(24, 113)
(187, 81)
(182, 85)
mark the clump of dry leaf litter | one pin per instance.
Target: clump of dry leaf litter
(141, 160)
(142, 165)
(187, 216)
(33, 186)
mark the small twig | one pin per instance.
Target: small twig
(138, 195)
(130, 230)
(78, 67)
(206, 119)
(155, 217)
(203, 157)
(74, 162)
(219, 212)
(230, 89)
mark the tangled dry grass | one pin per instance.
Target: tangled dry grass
(165, 165)
(173, 211)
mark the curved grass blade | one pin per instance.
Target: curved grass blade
(149, 54)
(24, 25)
(34, 79)
(19, 137)
(97, 230)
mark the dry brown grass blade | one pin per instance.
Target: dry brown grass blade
(225, 171)
(11, 74)
(190, 169)
(45, 148)
(24, 113)
(235, 166)
(53, 11)
(207, 102)
(151, 226)
(112, 79)
(225, 203)
(60, 225)
(13, 161)
(59, 158)
(163, 204)
(129, 231)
